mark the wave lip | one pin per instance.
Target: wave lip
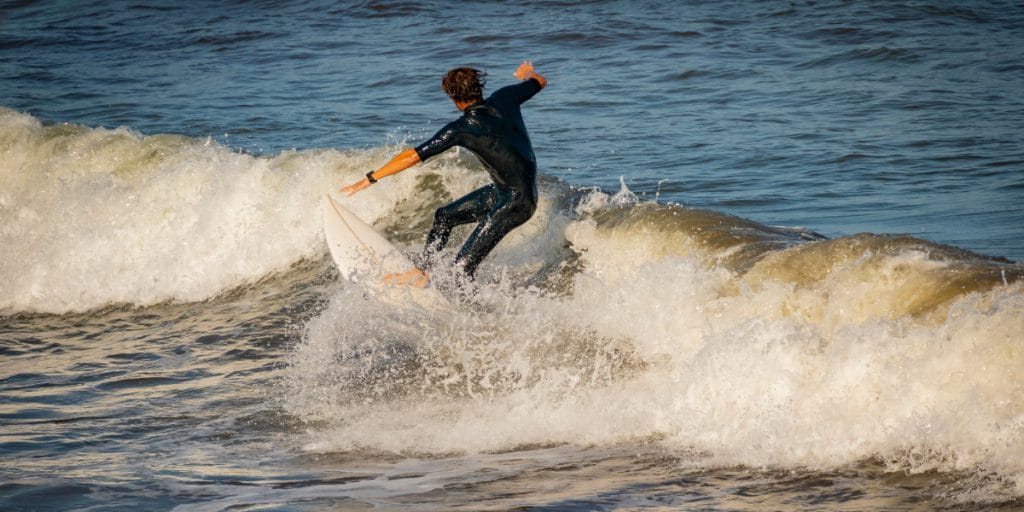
(95, 216)
(707, 335)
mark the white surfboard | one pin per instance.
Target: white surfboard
(362, 254)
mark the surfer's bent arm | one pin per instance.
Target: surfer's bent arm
(440, 142)
(399, 163)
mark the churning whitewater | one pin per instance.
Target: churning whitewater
(606, 320)
(819, 355)
(776, 263)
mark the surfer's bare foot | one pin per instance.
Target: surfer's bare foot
(414, 277)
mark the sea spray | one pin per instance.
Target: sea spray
(96, 216)
(665, 337)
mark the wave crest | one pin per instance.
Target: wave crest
(96, 216)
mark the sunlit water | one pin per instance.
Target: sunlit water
(774, 264)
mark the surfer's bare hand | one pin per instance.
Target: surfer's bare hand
(526, 72)
(355, 187)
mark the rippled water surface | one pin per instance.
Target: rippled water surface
(842, 117)
(775, 265)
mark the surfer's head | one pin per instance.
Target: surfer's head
(464, 85)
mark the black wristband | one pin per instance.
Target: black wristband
(370, 178)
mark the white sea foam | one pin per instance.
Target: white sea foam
(95, 216)
(653, 344)
(820, 355)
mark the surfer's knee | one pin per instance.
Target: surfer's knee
(515, 215)
(442, 216)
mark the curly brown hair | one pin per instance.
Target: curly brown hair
(464, 84)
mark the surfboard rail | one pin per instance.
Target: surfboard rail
(362, 254)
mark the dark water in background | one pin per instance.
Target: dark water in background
(839, 116)
(174, 335)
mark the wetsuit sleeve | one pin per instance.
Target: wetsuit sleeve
(519, 93)
(444, 139)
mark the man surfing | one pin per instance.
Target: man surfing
(493, 129)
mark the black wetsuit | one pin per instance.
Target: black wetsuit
(493, 129)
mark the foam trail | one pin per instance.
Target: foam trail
(741, 346)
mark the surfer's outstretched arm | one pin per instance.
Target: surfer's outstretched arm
(399, 163)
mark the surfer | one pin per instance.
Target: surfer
(494, 130)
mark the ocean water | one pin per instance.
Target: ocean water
(776, 264)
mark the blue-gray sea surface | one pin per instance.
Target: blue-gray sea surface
(776, 263)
